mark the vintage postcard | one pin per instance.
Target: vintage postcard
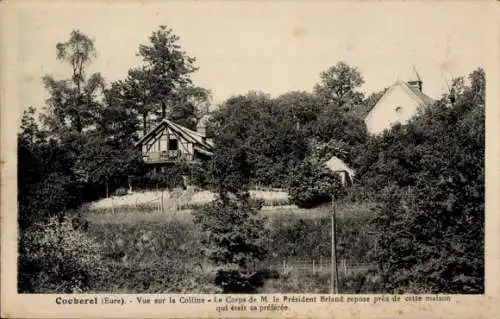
(263, 159)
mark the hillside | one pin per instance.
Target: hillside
(135, 240)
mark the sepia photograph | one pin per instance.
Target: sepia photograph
(250, 148)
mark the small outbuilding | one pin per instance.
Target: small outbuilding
(337, 165)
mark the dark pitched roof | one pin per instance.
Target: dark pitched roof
(361, 110)
(368, 109)
(200, 143)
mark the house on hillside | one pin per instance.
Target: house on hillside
(168, 143)
(337, 165)
(398, 105)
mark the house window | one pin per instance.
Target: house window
(399, 109)
(173, 144)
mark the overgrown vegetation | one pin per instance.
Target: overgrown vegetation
(433, 214)
(313, 184)
(234, 242)
(56, 257)
(166, 254)
(425, 233)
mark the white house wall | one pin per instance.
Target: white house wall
(384, 114)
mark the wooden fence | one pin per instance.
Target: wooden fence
(322, 266)
(303, 267)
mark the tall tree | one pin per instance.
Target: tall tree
(48, 155)
(163, 79)
(339, 86)
(73, 102)
(92, 123)
(340, 126)
(257, 140)
(189, 105)
(135, 91)
(303, 107)
(73, 107)
(110, 154)
(235, 239)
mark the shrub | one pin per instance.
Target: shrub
(427, 246)
(57, 258)
(199, 175)
(235, 241)
(313, 184)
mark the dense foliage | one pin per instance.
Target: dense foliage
(234, 242)
(162, 84)
(264, 141)
(46, 184)
(261, 141)
(313, 184)
(56, 257)
(431, 221)
(339, 86)
(256, 142)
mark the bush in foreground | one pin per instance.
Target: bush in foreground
(235, 241)
(57, 258)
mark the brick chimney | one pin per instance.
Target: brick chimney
(415, 80)
(201, 127)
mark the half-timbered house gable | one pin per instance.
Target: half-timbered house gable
(169, 142)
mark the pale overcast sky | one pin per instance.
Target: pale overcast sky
(272, 47)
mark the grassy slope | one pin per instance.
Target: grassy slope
(150, 250)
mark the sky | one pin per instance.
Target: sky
(274, 47)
